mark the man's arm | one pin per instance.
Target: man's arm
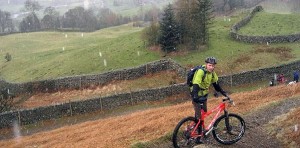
(196, 84)
(219, 89)
(195, 91)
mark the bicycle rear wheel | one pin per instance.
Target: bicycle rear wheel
(229, 130)
(182, 133)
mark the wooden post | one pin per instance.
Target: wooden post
(131, 99)
(146, 68)
(231, 80)
(70, 105)
(101, 106)
(80, 83)
(19, 118)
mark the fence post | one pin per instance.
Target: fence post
(231, 81)
(80, 83)
(70, 105)
(146, 68)
(101, 106)
(19, 118)
(131, 99)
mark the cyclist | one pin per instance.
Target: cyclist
(202, 79)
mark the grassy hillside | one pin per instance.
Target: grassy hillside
(43, 55)
(237, 56)
(272, 24)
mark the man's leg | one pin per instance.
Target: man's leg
(197, 110)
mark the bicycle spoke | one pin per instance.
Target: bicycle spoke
(231, 132)
(182, 133)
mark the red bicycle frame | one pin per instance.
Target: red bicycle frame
(221, 107)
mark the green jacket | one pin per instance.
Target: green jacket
(210, 77)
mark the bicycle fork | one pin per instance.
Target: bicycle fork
(228, 127)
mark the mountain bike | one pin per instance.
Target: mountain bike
(226, 129)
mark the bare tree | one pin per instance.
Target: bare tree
(30, 23)
(32, 6)
(81, 19)
(151, 34)
(6, 24)
(50, 19)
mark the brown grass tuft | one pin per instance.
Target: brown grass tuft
(148, 81)
(284, 53)
(287, 128)
(242, 59)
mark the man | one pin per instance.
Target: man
(203, 78)
(296, 76)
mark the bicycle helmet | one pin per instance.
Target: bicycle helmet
(211, 60)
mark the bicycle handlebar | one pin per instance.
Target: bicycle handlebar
(227, 98)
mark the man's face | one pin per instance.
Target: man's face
(210, 67)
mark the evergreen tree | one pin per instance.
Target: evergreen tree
(194, 17)
(203, 17)
(169, 32)
(183, 16)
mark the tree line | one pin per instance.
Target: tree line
(186, 22)
(77, 19)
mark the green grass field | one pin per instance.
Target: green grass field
(228, 50)
(267, 24)
(44, 55)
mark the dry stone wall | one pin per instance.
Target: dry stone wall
(28, 116)
(83, 81)
(259, 39)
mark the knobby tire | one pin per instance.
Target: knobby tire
(229, 129)
(180, 136)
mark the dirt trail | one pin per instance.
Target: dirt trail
(256, 133)
(123, 131)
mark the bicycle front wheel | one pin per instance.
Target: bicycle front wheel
(182, 133)
(229, 130)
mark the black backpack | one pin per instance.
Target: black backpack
(191, 74)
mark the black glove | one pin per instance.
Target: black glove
(216, 94)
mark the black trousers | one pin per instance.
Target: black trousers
(197, 106)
